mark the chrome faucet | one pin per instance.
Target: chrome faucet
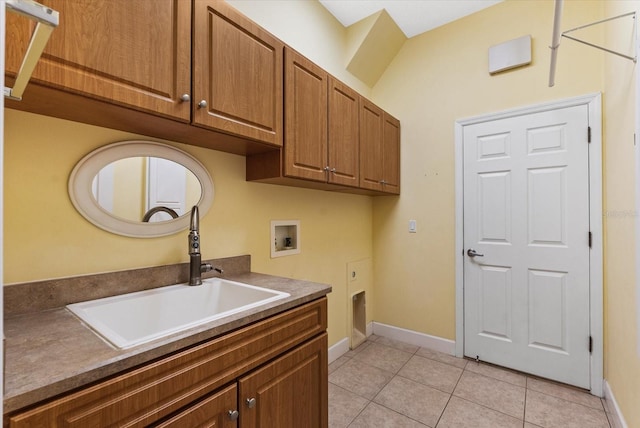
(196, 267)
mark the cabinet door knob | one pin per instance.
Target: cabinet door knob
(326, 168)
(251, 402)
(383, 182)
(202, 104)
(333, 170)
(185, 98)
(233, 415)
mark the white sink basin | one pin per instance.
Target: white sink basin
(135, 318)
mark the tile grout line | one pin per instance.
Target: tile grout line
(524, 410)
(397, 374)
(450, 396)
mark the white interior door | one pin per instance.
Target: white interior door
(526, 214)
(167, 187)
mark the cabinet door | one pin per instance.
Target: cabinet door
(371, 145)
(214, 411)
(290, 392)
(391, 154)
(305, 145)
(131, 53)
(237, 72)
(344, 134)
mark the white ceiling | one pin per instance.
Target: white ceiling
(412, 16)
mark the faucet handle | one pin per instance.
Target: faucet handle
(208, 267)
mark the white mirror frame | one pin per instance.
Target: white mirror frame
(81, 194)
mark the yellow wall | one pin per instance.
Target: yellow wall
(307, 27)
(129, 188)
(442, 76)
(44, 237)
(622, 358)
(436, 78)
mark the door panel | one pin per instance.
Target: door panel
(547, 309)
(526, 211)
(547, 220)
(495, 302)
(494, 195)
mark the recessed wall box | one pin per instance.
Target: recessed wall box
(285, 237)
(512, 54)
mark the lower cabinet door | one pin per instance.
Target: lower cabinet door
(290, 392)
(218, 410)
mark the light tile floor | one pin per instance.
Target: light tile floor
(386, 383)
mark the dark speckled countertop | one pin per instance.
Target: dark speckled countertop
(50, 352)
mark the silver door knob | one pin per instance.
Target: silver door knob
(185, 98)
(233, 415)
(472, 253)
(202, 104)
(333, 170)
(251, 402)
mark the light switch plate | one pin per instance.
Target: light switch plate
(413, 227)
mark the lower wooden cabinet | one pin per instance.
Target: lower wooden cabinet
(290, 392)
(217, 410)
(272, 373)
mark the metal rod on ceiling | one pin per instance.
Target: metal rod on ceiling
(555, 41)
(632, 14)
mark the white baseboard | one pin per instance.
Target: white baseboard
(338, 349)
(415, 338)
(612, 405)
(408, 336)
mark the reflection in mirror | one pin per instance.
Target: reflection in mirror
(139, 188)
(145, 188)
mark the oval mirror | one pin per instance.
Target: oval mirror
(140, 188)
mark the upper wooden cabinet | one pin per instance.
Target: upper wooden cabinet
(132, 53)
(391, 154)
(237, 74)
(379, 149)
(321, 116)
(321, 129)
(199, 72)
(128, 65)
(305, 148)
(344, 134)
